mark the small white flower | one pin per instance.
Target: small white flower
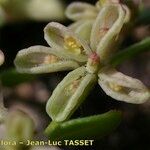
(89, 56)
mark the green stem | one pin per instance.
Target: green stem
(93, 127)
(130, 52)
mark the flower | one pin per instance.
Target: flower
(88, 58)
(20, 128)
(18, 10)
(84, 15)
(3, 110)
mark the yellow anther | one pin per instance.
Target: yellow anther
(49, 59)
(72, 45)
(115, 87)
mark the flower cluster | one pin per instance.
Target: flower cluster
(84, 47)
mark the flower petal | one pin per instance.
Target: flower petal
(1, 58)
(106, 29)
(79, 10)
(128, 13)
(19, 127)
(83, 29)
(46, 11)
(122, 87)
(69, 94)
(3, 110)
(40, 59)
(63, 39)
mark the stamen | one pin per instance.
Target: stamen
(115, 87)
(49, 59)
(73, 87)
(72, 45)
(103, 31)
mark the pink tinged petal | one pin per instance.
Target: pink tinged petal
(106, 29)
(122, 87)
(40, 59)
(79, 10)
(69, 43)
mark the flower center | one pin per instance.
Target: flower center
(93, 63)
(73, 45)
(73, 87)
(50, 59)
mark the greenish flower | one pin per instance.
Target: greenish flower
(68, 50)
(19, 127)
(3, 110)
(84, 14)
(18, 10)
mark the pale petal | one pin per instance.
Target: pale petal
(122, 87)
(106, 29)
(3, 110)
(79, 10)
(128, 13)
(98, 5)
(1, 58)
(40, 59)
(83, 29)
(45, 9)
(69, 94)
(63, 39)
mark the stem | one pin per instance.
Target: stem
(130, 52)
(93, 127)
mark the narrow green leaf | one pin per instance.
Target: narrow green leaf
(130, 52)
(93, 127)
(11, 77)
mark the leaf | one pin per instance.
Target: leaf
(93, 127)
(11, 77)
(130, 52)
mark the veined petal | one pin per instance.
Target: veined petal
(122, 87)
(128, 13)
(83, 29)
(40, 59)
(63, 39)
(106, 29)
(79, 10)
(69, 94)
